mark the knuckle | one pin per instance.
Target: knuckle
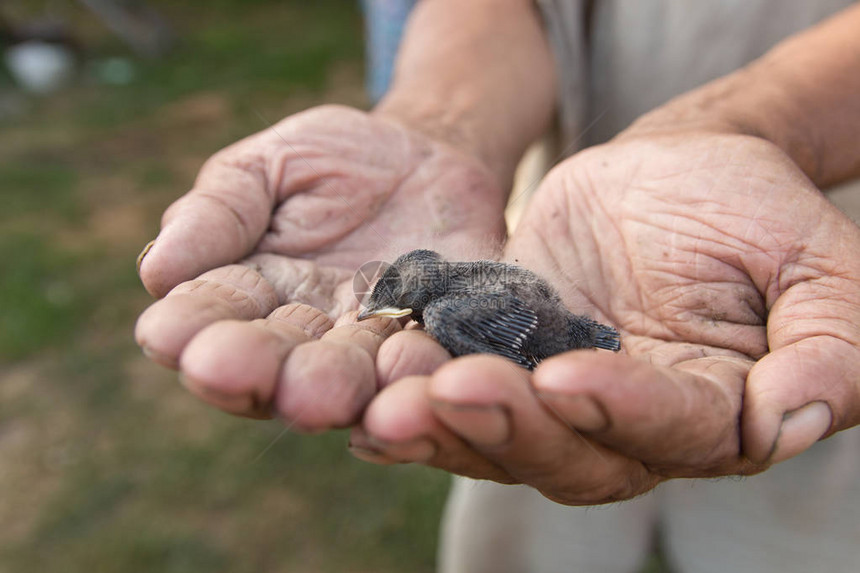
(623, 487)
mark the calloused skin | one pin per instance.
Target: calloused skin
(734, 282)
(736, 286)
(256, 263)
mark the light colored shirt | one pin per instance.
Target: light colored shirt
(621, 58)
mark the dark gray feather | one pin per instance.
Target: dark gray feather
(496, 323)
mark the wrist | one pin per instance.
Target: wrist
(476, 75)
(743, 103)
(800, 96)
(452, 123)
(747, 102)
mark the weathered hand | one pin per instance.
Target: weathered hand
(285, 217)
(736, 286)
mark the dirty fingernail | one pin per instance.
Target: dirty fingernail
(582, 412)
(800, 429)
(481, 425)
(159, 358)
(418, 450)
(360, 447)
(143, 253)
(370, 456)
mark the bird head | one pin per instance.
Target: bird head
(407, 286)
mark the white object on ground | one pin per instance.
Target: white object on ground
(40, 67)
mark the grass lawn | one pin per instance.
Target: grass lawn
(106, 464)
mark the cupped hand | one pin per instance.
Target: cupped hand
(736, 286)
(255, 264)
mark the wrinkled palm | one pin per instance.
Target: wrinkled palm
(286, 216)
(734, 284)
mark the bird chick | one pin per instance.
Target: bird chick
(484, 307)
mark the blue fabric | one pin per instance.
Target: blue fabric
(384, 21)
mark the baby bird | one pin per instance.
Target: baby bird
(484, 307)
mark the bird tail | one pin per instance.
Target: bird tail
(606, 337)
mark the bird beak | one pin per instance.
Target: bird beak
(388, 312)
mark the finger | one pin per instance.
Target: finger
(216, 223)
(490, 403)
(809, 385)
(798, 395)
(297, 280)
(327, 383)
(680, 421)
(234, 365)
(232, 292)
(400, 426)
(408, 353)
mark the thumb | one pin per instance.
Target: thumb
(809, 385)
(799, 394)
(216, 223)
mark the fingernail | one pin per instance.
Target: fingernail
(800, 429)
(360, 447)
(486, 426)
(143, 254)
(370, 455)
(160, 358)
(580, 411)
(419, 450)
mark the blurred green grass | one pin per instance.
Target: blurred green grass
(106, 464)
